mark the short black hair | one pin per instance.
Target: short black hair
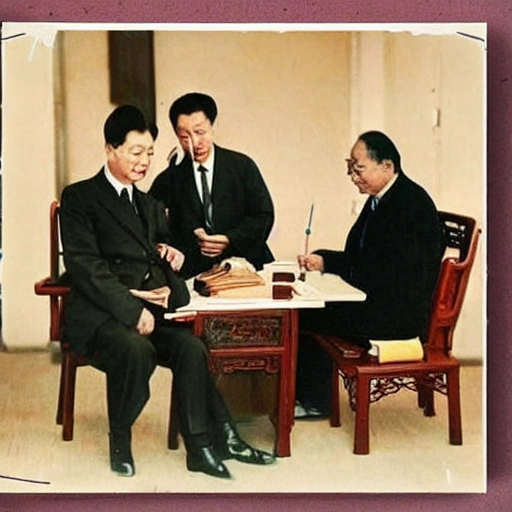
(190, 103)
(380, 147)
(124, 119)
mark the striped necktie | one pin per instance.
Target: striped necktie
(207, 199)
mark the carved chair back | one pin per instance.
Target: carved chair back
(462, 236)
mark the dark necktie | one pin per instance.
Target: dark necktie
(207, 198)
(373, 206)
(126, 199)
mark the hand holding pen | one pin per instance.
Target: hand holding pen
(310, 262)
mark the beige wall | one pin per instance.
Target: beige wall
(84, 67)
(292, 101)
(438, 117)
(281, 98)
(28, 186)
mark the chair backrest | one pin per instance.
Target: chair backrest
(462, 234)
(60, 289)
(55, 252)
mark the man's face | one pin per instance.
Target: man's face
(195, 134)
(130, 162)
(368, 176)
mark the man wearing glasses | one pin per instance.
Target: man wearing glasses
(393, 253)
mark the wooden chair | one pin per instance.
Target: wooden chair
(367, 381)
(56, 287)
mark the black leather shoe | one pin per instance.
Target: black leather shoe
(121, 459)
(203, 459)
(234, 447)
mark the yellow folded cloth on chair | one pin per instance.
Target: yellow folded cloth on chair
(390, 351)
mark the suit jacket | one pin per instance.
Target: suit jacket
(393, 254)
(108, 249)
(242, 209)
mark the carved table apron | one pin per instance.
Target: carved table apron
(256, 340)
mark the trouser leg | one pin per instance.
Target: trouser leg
(199, 402)
(205, 422)
(314, 376)
(314, 365)
(128, 359)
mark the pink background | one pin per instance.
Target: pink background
(498, 15)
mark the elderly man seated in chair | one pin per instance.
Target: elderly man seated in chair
(114, 238)
(393, 253)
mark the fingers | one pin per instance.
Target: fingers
(311, 262)
(200, 233)
(212, 245)
(212, 249)
(146, 323)
(174, 257)
(166, 252)
(177, 261)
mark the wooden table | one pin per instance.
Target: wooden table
(261, 334)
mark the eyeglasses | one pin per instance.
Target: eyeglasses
(354, 168)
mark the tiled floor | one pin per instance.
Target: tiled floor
(409, 452)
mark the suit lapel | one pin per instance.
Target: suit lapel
(219, 177)
(113, 205)
(142, 204)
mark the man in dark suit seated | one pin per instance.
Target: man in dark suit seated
(217, 201)
(115, 241)
(393, 253)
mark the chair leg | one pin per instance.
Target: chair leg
(60, 400)
(67, 401)
(335, 400)
(425, 397)
(174, 424)
(428, 407)
(454, 419)
(362, 420)
(421, 394)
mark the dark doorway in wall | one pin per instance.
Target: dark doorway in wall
(132, 73)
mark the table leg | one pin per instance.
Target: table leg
(286, 398)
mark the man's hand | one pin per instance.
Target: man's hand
(174, 257)
(311, 262)
(211, 245)
(146, 323)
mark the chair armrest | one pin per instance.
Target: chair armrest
(49, 288)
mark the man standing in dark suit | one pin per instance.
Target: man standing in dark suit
(217, 201)
(393, 253)
(115, 241)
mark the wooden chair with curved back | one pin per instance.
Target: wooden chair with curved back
(56, 287)
(367, 380)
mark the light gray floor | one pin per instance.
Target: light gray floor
(408, 453)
